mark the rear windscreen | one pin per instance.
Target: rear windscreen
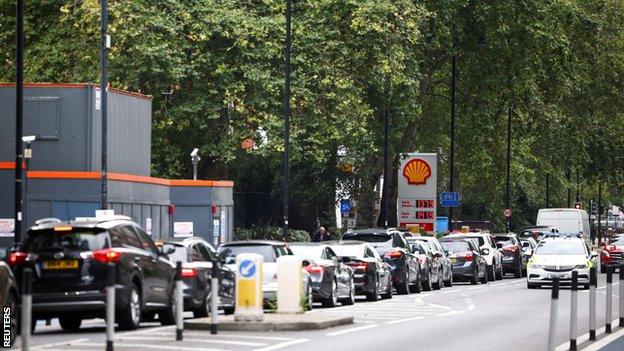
(179, 255)
(230, 252)
(503, 240)
(455, 246)
(354, 251)
(78, 239)
(370, 238)
(477, 238)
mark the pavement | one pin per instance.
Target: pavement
(273, 322)
(501, 315)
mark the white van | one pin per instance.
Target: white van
(567, 220)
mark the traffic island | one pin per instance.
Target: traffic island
(273, 322)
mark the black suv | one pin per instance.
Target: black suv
(391, 244)
(69, 259)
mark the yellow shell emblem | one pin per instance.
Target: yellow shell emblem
(417, 171)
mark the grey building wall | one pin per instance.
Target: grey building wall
(193, 204)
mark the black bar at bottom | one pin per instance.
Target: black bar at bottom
(592, 335)
(213, 329)
(621, 321)
(608, 328)
(109, 345)
(572, 344)
(178, 334)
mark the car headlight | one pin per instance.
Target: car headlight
(581, 266)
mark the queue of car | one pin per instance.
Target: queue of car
(69, 262)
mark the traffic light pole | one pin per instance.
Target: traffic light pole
(599, 212)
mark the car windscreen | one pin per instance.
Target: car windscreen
(503, 240)
(455, 246)
(561, 247)
(478, 240)
(368, 237)
(76, 239)
(180, 254)
(229, 252)
(308, 252)
(353, 251)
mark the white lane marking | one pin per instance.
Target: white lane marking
(451, 313)
(60, 343)
(274, 338)
(450, 291)
(419, 301)
(206, 340)
(283, 344)
(471, 307)
(596, 345)
(438, 306)
(351, 330)
(405, 320)
(150, 347)
(147, 330)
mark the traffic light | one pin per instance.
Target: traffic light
(594, 208)
(578, 205)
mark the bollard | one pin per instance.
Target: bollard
(110, 305)
(26, 307)
(553, 314)
(609, 299)
(573, 310)
(621, 295)
(179, 301)
(214, 298)
(593, 282)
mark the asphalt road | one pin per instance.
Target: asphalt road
(501, 315)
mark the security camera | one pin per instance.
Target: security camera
(29, 138)
(195, 152)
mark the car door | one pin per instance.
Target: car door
(383, 269)
(412, 261)
(161, 268)
(134, 259)
(340, 271)
(203, 268)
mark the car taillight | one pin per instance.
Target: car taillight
(17, 258)
(362, 265)
(512, 249)
(315, 269)
(466, 256)
(188, 273)
(107, 256)
(394, 254)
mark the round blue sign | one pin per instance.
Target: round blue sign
(247, 268)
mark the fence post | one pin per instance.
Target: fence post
(214, 297)
(179, 301)
(593, 282)
(26, 311)
(573, 310)
(621, 295)
(110, 305)
(609, 304)
(554, 306)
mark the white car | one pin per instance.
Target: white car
(493, 258)
(558, 257)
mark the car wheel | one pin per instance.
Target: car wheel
(204, 309)
(373, 295)
(70, 323)
(438, 284)
(129, 318)
(499, 274)
(168, 315)
(448, 283)
(388, 293)
(426, 285)
(518, 271)
(351, 299)
(474, 280)
(484, 279)
(532, 286)
(490, 273)
(332, 300)
(403, 288)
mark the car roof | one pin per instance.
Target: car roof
(347, 242)
(253, 242)
(466, 235)
(87, 224)
(306, 243)
(370, 231)
(185, 241)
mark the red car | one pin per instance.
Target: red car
(611, 255)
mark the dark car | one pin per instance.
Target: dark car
(371, 274)
(9, 298)
(528, 246)
(69, 262)
(197, 257)
(467, 262)
(441, 271)
(391, 244)
(331, 277)
(537, 232)
(511, 248)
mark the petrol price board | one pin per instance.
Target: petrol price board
(417, 185)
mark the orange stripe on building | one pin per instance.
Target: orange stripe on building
(47, 85)
(63, 175)
(138, 179)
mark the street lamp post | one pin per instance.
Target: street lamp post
(19, 108)
(578, 181)
(286, 106)
(547, 189)
(104, 46)
(28, 140)
(508, 186)
(452, 151)
(386, 179)
(195, 159)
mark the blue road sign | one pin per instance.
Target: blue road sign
(450, 199)
(247, 268)
(345, 206)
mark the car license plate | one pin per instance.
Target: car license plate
(60, 264)
(453, 260)
(552, 276)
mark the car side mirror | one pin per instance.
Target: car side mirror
(305, 263)
(345, 259)
(485, 251)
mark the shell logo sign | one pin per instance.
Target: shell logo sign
(417, 171)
